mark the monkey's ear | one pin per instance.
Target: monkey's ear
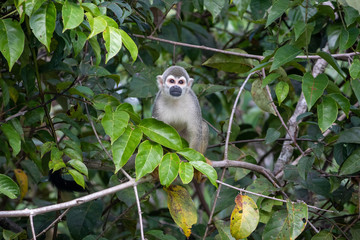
(191, 80)
(160, 81)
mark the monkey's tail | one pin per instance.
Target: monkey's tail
(56, 178)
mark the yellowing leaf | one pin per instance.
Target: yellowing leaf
(22, 180)
(244, 218)
(182, 208)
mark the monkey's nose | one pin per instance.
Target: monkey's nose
(175, 91)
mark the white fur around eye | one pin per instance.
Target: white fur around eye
(170, 79)
(183, 79)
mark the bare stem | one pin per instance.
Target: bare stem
(226, 151)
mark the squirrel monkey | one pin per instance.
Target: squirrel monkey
(177, 105)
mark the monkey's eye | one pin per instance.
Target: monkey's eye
(172, 81)
(181, 82)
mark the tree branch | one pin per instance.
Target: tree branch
(301, 107)
(75, 202)
(226, 151)
(339, 56)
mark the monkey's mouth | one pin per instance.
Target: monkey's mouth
(175, 91)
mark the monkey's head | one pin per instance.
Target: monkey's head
(175, 81)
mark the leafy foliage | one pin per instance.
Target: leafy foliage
(77, 85)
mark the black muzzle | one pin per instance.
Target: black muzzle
(175, 91)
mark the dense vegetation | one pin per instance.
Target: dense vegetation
(78, 79)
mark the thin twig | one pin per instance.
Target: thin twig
(313, 227)
(337, 56)
(309, 150)
(100, 142)
(261, 140)
(249, 166)
(122, 170)
(226, 152)
(32, 225)
(264, 196)
(139, 212)
(53, 223)
(75, 202)
(127, 210)
(332, 222)
(281, 119)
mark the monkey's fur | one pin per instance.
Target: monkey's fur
(177, 105)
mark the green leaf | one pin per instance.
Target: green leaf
(343, 102)
(42, 23)
(351, 135)
(313, 88)
(5, 93)
(8, 187)
(72, 15)
(353, 34)
(91, 8)
(78, 177)
(127, 107)
(355, 69)
(323, 235)
(169, 168)
(96, 48)
(114, 123)
(261, 97)
(329, 59)
(56, 162)
(230, 63)
(327, 113)
(32, 5)
(214, 6)
(344, 37)
(186, 172)
(102, 100)
(207, 170)
(351, 164)
(305, 165)
(97, 25)
(299, 28)
(13, 137)
(162, 133)
(110, 22)
(277, 9)
(82, 91)
(78, 40)
(82, 220)
(191, 155)
(355, 85)
(269, 78)
(113, 42)
(79, 166)
(284, 55)
(148, 158)
(278, 226)
(271, 135)
(354, 3)
(124, 146)
(129, 44)
(298, 216)
(72, 153)
(281, 90)
(12, 40)
(46, 147)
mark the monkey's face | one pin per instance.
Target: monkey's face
(175, 82)
(175, 86)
